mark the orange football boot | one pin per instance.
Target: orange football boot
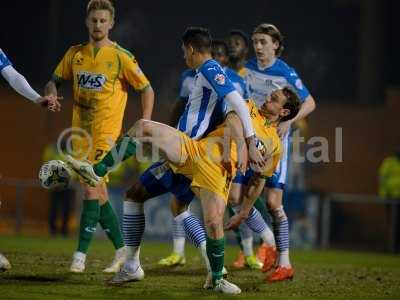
(281, 273)
(240, 261)
(262, 252)
(270, 258)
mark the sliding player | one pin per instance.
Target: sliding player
(101, 72)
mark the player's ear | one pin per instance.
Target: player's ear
(112, 23)
(284, 112)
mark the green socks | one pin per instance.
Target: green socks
(89, 218)
(215, 253)
(109, 223)
(236, 231)
(122, 150)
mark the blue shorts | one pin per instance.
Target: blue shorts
(279, 177)
(159, 179)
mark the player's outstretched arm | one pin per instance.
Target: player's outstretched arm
(147, 97)
(19, 83)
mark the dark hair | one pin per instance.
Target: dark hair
(197, 37)
(100, 5)
(292, 103)
(219, 43)
(240, 33)
(274, 33)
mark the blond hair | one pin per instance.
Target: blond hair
(100, 5)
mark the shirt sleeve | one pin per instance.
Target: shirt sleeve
(218, 79)
(4, 61)
(295, 81)
(64, 67)
(132, 73)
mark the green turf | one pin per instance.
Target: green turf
(40, 272)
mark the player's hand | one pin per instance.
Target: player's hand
(50, 102)
(235, 221)
(283, 128)
(255, 154)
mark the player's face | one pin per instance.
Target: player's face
(99, 24)
(220, 55)
(273, 105)
(188, 55)
(264, 47)
(237, 47)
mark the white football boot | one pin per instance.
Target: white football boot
(208, 285)
(119, 259)
(85, 170)
(124, 275)
(226, 287)
(78, 262)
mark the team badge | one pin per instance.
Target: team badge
(220, 79)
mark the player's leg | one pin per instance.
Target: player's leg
(110, 224)
(274, 191)
(153, 182)
(246, 256)
(90, 216)
(213, 212)
(163, 137)
(133, 227)
(177, 257)
(281, 231)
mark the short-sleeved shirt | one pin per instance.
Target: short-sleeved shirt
(205, 108)
(100, 81)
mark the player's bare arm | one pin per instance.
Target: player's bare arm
(235, 130)
(253, 191)
(147, 97)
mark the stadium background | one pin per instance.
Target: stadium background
(346, 51)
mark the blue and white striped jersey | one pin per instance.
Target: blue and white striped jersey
(4, 61)
(186, 84)
(206, 107)
(262, 82)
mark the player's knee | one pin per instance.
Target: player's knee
(137, 193)
(278, 214)
(213, 225)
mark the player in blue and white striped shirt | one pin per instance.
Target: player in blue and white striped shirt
(21, 85)
(264, 74)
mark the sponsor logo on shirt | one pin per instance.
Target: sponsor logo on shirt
(220, 79)
(91, 81)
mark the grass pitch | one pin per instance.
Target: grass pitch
(40, 271)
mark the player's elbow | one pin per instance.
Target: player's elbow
(311, 103)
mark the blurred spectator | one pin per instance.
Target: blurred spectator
(61, 202)
(389, 177)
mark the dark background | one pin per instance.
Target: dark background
(335, 45)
